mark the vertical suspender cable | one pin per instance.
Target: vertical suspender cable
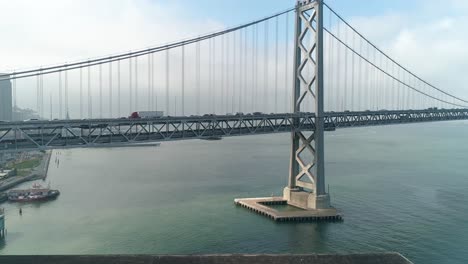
(42, 96)
(37, 93)
(81, 93)
(394, 92)
(66, 94)
(360, 83)
(398, 90)
(256, 103)
(41, 85)
(110, 90)
(118, 87)
(265, 69)
(223, 69)
(227, 71)
(276, 65)
(183, 80)
(50, 103)
(130, 83)
(137, 105)
(154, 101)
(213, 78)
(167, 82)
(353, 66)
(374, 82)
(244, 101)
(198, 77)
(338, 69)
(149, 95)
(252, 64)
(286, 62)
(60, 95)
(254, 74)
(210, 81)
(100, 90)
(369, 80)
(345, 93)
(90, 102)
(234, 73)
(241, 72)
(14, 95)
(328, 90)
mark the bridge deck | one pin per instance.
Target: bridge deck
(34, 135)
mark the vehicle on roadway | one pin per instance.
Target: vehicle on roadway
(146, 114)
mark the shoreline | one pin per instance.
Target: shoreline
(42, 175)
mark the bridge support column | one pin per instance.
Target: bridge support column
(306, 185)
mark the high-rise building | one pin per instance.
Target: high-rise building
(6, 108)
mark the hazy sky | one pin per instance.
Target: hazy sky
(428, 37)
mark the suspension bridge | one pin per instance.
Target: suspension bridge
(304, 70)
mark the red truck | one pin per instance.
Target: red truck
(146, 114)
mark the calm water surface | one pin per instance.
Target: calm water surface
(401, 188)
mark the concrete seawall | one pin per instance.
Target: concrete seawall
(381, 258)
(35, 175)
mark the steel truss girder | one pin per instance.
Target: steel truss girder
(20, 136)
(89, 133)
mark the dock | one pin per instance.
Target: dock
(265, 206)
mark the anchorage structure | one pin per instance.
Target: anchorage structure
(306, 185)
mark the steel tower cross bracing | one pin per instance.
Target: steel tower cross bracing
(308, 83)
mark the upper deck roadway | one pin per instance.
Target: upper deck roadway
(41, 135)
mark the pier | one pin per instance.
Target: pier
(266, 206)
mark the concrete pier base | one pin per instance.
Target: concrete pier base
(306, 200)
(264, 207)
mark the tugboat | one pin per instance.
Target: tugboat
(36, 193)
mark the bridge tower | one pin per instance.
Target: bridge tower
(306, 185)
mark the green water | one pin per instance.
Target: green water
(401, 188)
